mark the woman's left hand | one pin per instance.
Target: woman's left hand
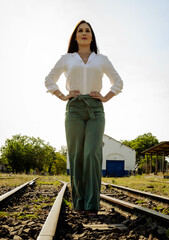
(98, 96)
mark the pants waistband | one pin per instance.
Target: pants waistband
(83, 98)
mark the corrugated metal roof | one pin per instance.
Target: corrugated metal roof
(159, 149)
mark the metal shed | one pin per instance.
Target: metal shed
(161, 149)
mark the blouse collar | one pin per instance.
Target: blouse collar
(92, 55)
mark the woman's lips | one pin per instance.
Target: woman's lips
(84, 38)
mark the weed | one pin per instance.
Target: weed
(27, 216)
(66, 203)
(167, 233)
(4, 214)
(55, 183)
(113, 181)
(37, 207)
(140, 201)
(165, 211)
(159, 208)
(120, 194)
(26, 207)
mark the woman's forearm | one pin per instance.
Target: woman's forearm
(108, 96)
(58, 94)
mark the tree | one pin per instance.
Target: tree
(140, 144)
(23, 153)
(13, 153)
(59, 164)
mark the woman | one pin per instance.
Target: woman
(84, 121)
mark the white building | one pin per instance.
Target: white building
(118, 159)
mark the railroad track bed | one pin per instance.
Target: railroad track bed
(34, 214)
(111, 223)
(135, 198)
(24, 215)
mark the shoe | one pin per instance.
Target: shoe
(92, 213)
(81, 211)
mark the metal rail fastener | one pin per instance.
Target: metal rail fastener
(13, 191)
(49, 228)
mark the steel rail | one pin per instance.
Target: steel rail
(49, 228)
(133, 208)
(62, 181)
(141, 193)
(5, 196)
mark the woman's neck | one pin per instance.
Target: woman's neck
(84, 49)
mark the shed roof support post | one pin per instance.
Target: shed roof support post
(146, 163)
(167, 167)
(151, 163)
(163, 160)
(156, 167)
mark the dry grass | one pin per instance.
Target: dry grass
(15, 179)
(18, 179)
(149, 183)
(53, 180)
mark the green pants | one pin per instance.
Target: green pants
(84, 126)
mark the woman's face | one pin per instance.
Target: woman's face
(84, 35)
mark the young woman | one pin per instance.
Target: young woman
(84, 121)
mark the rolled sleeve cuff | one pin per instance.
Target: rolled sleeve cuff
(115, 91)
(52, 90)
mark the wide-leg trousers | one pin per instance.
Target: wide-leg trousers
(84, 124)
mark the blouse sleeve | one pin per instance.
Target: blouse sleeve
(115, 79)
(53, 76)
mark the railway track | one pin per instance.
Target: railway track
(23, 216)
(139, 198)
(109, 224)
(117, 219)
(138, 193)
(6, 196)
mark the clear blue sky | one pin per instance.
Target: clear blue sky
(133, 34)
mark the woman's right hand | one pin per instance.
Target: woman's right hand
(71, 94)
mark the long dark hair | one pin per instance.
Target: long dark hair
(73, 46)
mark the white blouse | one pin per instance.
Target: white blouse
(83, 77)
